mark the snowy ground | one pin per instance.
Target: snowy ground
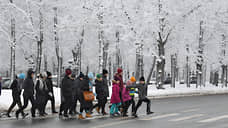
(180, 90)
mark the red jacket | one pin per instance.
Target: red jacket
(126, 94)
(115, 94)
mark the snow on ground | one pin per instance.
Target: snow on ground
(180, 90)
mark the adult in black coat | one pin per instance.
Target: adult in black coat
(84, 105)
(16, 94)
(66, 90)
(50, 93)
(28, 93)
(101, 94)
(105, 82)
(41, 89)
(75, 95)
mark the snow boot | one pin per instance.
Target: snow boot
(98, 109)
(80, 117)
(88, 115)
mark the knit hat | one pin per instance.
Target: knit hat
(68, 71)
(90, 75)
(119, 70)
(81, 75)
(133, 79)
(104, 71)
(98, 76)
(21, 76)
(142, 79)
(49, 73)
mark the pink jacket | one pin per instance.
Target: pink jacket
(125, 94)
(115, 98)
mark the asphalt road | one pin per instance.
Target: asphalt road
(184, 112)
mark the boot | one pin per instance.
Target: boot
(98, 109)
(80, 117)
(148, 113)
(17, 115)
(54, 112)
(8, 115)
(24, 115)
(88, 115)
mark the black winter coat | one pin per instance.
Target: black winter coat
(84, 86)
(28, 85)
(15, 87)
(100, 89)
(16, 92)
(66, 88)
(76, 87)
(105, 82)
(49, 85)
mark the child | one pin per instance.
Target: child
(132, 92)
(126, 100)
(100, 91)
(115, 98)
(142, 95)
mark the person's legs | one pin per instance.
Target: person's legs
(34, 105)
(61, 109)
(11, 108)
(126, 106)
(52, 98)
(104, 101)
(148, 105)
(113, 107)
(73, 106)
(67, 106)
(20, 110)
(19, 104)
(138, 105)
(117, 107)
(133, 105)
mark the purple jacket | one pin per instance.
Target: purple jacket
(126, 94)
(115, 94)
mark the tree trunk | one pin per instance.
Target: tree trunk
(161, 65)
(173, 71)
(12, 47)
(110, 71)
(40, 42)
(45, 63)
(187, 73)
(151, 71)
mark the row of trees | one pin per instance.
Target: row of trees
(166, 29)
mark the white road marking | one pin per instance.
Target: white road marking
(187, 117)
(190, 110)
(111, 124)
(214, 119)
(161, 116)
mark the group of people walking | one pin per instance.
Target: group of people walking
(76, 89)
(38, 94)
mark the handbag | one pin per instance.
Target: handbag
(88, 95)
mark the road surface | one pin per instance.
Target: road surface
(184, 112)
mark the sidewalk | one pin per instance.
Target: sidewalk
(180, 91)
